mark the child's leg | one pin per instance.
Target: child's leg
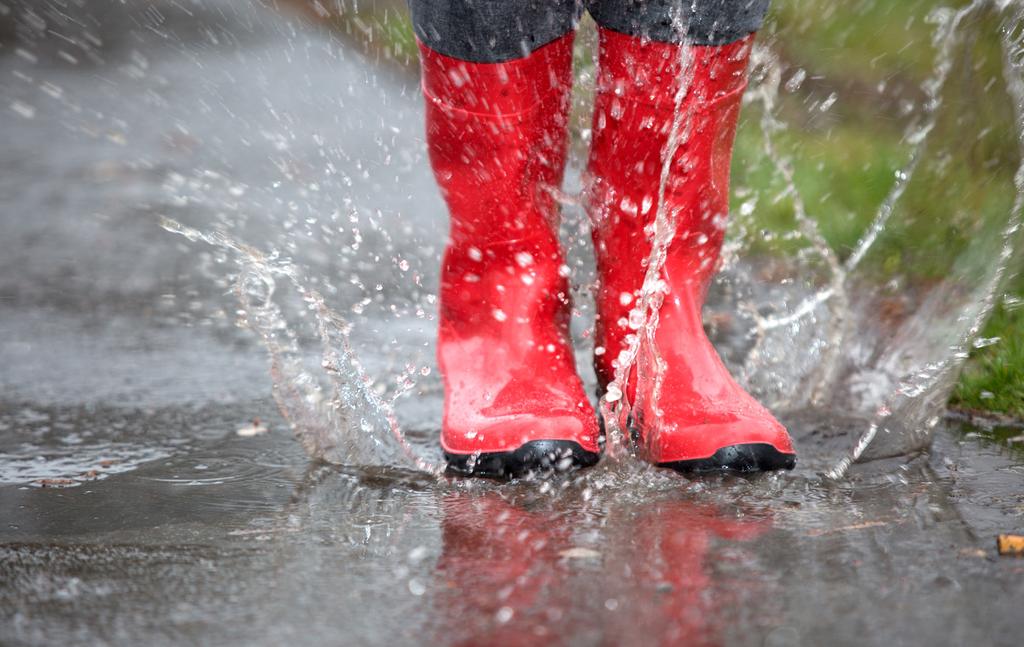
(497, 77)
(702, 418)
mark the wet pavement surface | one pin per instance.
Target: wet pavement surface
(132, 510)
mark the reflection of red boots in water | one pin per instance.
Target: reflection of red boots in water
(701, 419)
(502, 571)
(677, 543)
(496, 136)
(508, 574)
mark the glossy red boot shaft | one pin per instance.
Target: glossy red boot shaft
(496, 134)
(694, 416)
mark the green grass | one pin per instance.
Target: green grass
(875, 56)
(994, 379)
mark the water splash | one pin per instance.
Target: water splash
(642, 350)
(342, 419)
(908, 415)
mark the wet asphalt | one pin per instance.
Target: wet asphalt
(132, 511)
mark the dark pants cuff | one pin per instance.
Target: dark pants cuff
(493, 31)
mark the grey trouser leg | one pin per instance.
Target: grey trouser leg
(492, 31)
(706, 22)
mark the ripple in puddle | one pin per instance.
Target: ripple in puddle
(72, 466)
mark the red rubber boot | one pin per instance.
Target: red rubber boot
(496, 134)
(703, 420)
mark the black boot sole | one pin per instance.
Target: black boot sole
(539, 457)
(751, 457)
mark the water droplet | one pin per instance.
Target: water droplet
(795, 81)
(417, 554)
(617, 110)
(23, 109)
(524, 259)
(613, 394)
(645, 204)
(628, 206)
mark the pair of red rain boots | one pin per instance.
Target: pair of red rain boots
(496, 135)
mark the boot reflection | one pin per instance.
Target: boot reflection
(681, 596)
(503, 578)
(668, 572)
